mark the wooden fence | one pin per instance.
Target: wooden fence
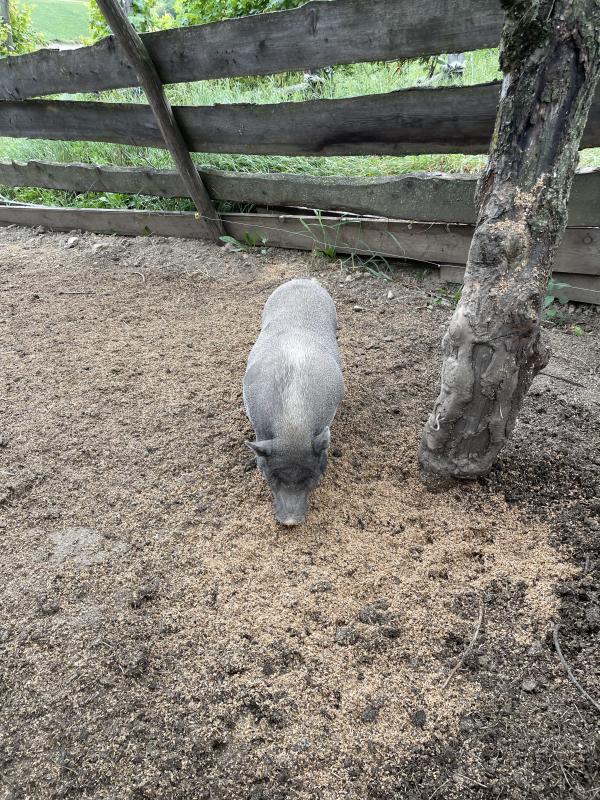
(427, 217)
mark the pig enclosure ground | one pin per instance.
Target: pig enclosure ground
(162, 637)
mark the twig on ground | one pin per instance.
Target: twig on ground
(569, 672)
(586, 567)
(469, 648)
(572, 357)
(439, 789)
(560, 378)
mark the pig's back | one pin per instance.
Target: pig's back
(293, 381)
(301, 304)
(294, 374)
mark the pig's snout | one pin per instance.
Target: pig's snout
(291, 506)
(290, 522)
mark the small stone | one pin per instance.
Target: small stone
(536, 649)
(144, 593)
(592, 616)
(438, 572)
(419, 718)
(370, 714)
(466, 726)
(358, 308)
(345, 635)
(276, 718)
(72, 241)
(529, 685)
(349, 278)
(390, 295)
(134, 662)
(47, 606)
(301, 745)
(382, 603)
(321, 586)
(369, 615)
(354, 768)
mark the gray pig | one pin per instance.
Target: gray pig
(292, 388)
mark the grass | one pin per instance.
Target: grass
(359, 79)
(61, 20)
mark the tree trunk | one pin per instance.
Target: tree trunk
(5, 15)
(550, 56)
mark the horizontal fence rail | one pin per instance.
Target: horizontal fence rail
(409, 121)
(415, 196)
(436, 244)
(318, 34)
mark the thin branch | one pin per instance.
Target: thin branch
(469, 649)
(560, 378)
(569, 672)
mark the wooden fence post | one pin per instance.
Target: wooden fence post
(151, 83)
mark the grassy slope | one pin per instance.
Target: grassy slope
(61, 20)
(360, 79)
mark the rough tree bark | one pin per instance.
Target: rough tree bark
(5, 16)
(550, 56)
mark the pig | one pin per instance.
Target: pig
(292, 389)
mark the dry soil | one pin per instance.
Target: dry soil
(162, 637)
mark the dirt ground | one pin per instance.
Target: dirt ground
(162, 637)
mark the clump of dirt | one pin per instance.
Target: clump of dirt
(163, 637)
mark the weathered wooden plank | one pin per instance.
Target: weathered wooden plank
(410, 121)
(428, 242)
(322, 33)
(443, 120)
(393, 239)
(580, 288)
(427, 197)
(142, 63)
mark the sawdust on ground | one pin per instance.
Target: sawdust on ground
(162, 636)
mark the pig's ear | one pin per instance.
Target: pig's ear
(263, 449)
(321, 441)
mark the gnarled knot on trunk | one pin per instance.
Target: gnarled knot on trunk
(484, 379)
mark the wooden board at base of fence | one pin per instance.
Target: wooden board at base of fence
(422, 196)
(432, 244)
